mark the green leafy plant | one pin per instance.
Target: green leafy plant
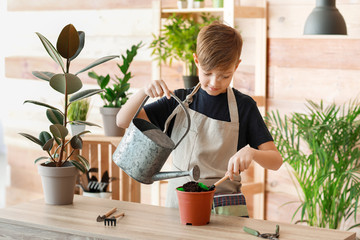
(77, 111)
(322, 147)
(69, 45)
(116, 95)
(177, 40)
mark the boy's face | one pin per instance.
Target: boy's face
(215, 81)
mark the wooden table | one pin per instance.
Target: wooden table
(78, 221)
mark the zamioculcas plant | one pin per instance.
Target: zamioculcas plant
(69, 44)
(323, 149)
(116, 89)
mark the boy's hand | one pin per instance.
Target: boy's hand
(157, 88)
(240, 161)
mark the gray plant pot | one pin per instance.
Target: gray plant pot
(58, 183)
(109, 122)
(190, 81)
(77, 128)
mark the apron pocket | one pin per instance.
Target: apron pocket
(230, 205)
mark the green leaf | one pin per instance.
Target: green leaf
(85, 123)
(81, 44)
(76, 142)
(41, 104)
(43, 75)
(54, 116)
(103, 81)
(48, 145)
(44, 136)
(40, 158)
(68, 41)
(32, 138)
(78, 165)
(51, 51)
(84, 94)
(84, 161)
(68, 81)
(97, 62)
(59, 131)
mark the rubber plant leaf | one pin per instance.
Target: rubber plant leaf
(32, 138)
(40, 158)
(44, 136)
(48, 145)
(82, 133)
(68, 41)
(97, 62)
(72, 83)
(81, 44)
(41, 104)
(51, 51)
(76, 142)
(84, 94)
(78, 165)
(59, 131)
(54, 116)
(85, 123)
(43, 75)
(84, 161)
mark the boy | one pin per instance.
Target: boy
(227, 131)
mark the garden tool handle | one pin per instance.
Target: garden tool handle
(221, 180)
(110, 212)
(119, 215)
(181, 105)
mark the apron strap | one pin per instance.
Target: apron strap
(233, 109)
(186, 103)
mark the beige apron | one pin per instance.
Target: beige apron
(209, 144)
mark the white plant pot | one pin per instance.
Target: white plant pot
(190, 3)
(199, 4)
(181, 4)
(58, 183)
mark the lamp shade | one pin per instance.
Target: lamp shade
(325, 19)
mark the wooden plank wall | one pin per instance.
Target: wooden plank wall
(306, 67)
(299, 67)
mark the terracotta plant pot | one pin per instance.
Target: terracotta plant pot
(58, 183)
(195, 207)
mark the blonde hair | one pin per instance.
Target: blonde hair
(218, 46)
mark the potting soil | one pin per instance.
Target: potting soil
(193, 187)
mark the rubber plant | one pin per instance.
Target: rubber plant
(323, 149)
(54, 142)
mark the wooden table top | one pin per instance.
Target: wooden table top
(141, 221)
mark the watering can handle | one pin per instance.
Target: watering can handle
(181, 105)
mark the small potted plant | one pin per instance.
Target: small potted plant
(177, 41)
(115, 92)
(181, 4)
(199, 3)
(77, 114)
(59, 172)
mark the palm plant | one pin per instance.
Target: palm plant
(177, 40)
(322, 147)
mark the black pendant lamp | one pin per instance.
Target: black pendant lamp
(325, 19)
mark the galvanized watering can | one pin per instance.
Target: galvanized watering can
(144, 149)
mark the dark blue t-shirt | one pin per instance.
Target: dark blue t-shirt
(252, 130)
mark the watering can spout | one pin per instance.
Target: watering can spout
(194, 173)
